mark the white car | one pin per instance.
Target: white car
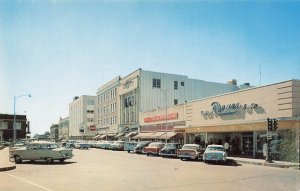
(48, 151)
(215, 153)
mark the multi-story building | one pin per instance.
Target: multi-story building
(6, 127)
(81, 117)
(142, 91)
(63, 128)
(107, 110)
(54, 132)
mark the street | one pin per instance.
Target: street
(96, 169)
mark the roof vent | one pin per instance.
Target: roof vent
(232, 82)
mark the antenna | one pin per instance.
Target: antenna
(260, 74)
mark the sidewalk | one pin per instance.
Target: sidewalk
(5, 164)
(278, 164)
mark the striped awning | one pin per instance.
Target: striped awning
(130, 134)
(142, 135)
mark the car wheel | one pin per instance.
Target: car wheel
(18, 159)
(181, 158)
(148, 154)
(61, 160)
(128, 151)
(49, 160)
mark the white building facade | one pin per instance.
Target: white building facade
(81, 117)
(143, 91)
(107, 113)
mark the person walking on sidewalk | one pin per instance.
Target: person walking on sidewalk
(226, 147)
(265, 150)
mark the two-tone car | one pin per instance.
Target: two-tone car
(170, 150)
(215, 153)
(47, 151)
(153, 148)
(190, 152)
(140, 146)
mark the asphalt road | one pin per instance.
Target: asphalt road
(96, 169)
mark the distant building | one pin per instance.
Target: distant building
(6, 127)
(81, 117)
(63, 128)
(54, 132)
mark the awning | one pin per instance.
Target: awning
(119, 135)
(102, 136)
(142, 135)
(170, 135)
(111, 134)
(156, 135)
(96, 137)
(130, 134)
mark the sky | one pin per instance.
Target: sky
(58, 49)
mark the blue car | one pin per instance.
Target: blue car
(129, 146)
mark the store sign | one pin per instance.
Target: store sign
(229, 109)
(128, 83)
(92, 128)
(161, 117)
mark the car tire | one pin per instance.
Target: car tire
(148, 154)
(18, 159)
(128, 151)
(61, 160)
(49, 160)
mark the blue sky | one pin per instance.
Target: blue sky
(56, 50)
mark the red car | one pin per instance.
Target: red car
(153, 148)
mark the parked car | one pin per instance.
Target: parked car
(82, 145)
(170, 150)
(129, 146)
(48, 151)
(117, 146)
(70, 143)
(190, 152)
(97, 144)
(105, 144)
(215, 153)
(153, 148)
(140, 147)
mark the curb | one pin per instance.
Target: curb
(294, 166)
(7, 168)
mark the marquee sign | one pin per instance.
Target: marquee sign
(233, 108)
(161, 117)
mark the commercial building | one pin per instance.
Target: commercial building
(81, 117)
(6, 127)
(63, 128)
(143, 91)
(107, 113)
(240, 118)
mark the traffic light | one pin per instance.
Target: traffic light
(270, 124)
(275, 124)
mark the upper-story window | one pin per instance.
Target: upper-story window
(90, 102)
(175, 85)
(175, 101)
(156, 83)
(182, 83)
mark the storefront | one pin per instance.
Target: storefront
(159, 124)
(240, 118)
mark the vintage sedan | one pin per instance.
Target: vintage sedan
(129, 146)
(170, 150)
(190, 152)
(140, 147)
(117, 146)
(215, 153)
(48, 151)
(153, 148)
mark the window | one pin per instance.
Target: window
(156, 83)
(175, 85)
(131, 102)
(3, 125)
(126, 102)
(175, 101)
(90, 111)
(182, 83)
(90, 102)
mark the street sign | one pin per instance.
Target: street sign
(269, 137)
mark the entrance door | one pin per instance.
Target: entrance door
(248, 144)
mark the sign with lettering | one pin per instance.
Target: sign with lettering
(233, 108)
(161, 117)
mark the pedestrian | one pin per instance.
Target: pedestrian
(265, 150)
(226, 146)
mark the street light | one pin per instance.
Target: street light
(14, 123)
(165, 92)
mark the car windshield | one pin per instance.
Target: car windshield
(171, 146)
(190, 147)
(215, 148)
